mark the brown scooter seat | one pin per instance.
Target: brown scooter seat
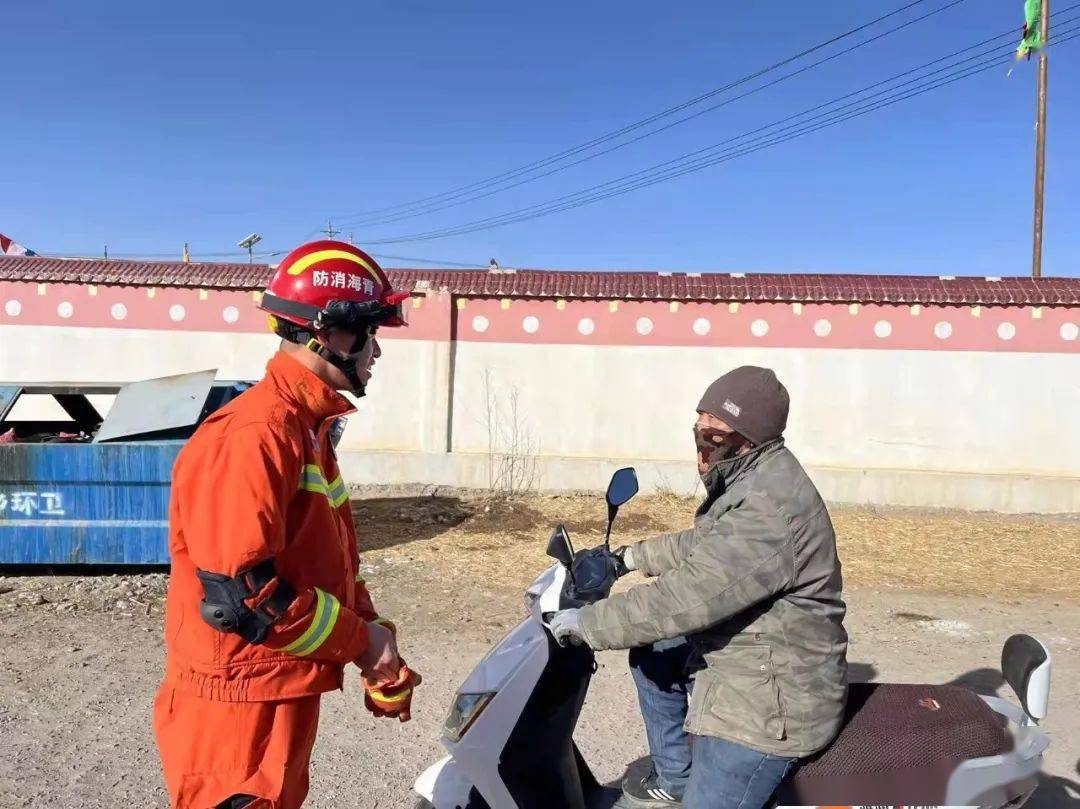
(899, 745)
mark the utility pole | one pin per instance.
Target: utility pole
(1040, 143)
(329, 231)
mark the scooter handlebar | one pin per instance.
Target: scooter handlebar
(595, 571)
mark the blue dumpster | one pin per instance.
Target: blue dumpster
(94, 491)
(85, 503)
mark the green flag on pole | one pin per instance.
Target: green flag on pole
(1032, 34)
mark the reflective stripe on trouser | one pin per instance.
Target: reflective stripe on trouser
(322, 625)
(312, 479)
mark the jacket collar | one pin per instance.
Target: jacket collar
(721, 475)
(294, 382)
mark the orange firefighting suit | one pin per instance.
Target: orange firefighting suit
(258, 480)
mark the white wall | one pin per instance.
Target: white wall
(72, 354)
(405, 374)
(402, 400)
(966, 429)
(924, 410)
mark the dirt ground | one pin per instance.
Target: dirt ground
(931, 597)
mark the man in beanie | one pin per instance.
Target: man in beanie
(738, 648)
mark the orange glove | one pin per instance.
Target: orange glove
(392, 698)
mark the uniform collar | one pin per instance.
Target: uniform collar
(297, 383)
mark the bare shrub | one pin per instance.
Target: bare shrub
(512, 450)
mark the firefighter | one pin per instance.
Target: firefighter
(266, 606)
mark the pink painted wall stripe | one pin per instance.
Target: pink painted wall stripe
(585, 322)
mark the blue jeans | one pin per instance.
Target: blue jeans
(708, 773)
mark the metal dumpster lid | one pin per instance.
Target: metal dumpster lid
(157, 405)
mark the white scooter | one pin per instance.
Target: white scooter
(510, 729)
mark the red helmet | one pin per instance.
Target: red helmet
(331, 285)
(327, 284)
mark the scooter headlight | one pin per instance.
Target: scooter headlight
(465, 710)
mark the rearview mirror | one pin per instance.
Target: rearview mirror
(559, 546)
(1025, 664)
(623, 487)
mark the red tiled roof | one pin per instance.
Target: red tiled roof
(132, 273)
(901, 289)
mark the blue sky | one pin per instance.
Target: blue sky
(145, 125)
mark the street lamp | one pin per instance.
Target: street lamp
(248, 243)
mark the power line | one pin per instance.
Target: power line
(683, 165)
(85, 254)
(558, 156)
(90, 255)
(659, 173)
(653, 169)
(736, 152)
(463, 198)
(434, 262)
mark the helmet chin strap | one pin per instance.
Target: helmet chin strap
(346, 363)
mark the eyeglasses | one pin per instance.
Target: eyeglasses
(354, 316)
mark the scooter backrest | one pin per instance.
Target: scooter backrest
(1025, 664)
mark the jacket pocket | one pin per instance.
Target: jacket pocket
(737, 696)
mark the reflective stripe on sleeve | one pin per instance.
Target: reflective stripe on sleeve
(337, 493)
(322, 624)
(312, 479)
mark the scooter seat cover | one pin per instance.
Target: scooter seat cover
(900, 744)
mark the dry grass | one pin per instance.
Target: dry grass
(500, 542)
(959, 552)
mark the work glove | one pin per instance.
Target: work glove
(566, 627)
(392, 698)
(624, 560)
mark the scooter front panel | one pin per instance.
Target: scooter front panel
(514, 666)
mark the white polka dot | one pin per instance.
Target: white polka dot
(177, 313)
(702, 326)
(531, 324)
(943, 330)
(585, 326)
(118, 311)
(480, 324)
(231, 314)
(65, 309)
(759, 328)
(822, 328)
(1069, 331)
(13, 308)
(1006, 331)
(883, 329)
(644, 326)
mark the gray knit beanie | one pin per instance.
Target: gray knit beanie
(751, 400)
